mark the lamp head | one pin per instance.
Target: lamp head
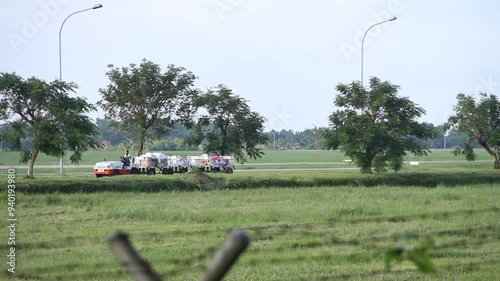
(392, 18)
(97, 6)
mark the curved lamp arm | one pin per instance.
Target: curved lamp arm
(363, 42)
(96, 6)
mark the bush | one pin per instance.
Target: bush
(199, 181)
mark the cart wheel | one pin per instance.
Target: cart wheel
(167, 171)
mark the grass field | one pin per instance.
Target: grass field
(54, 172)
(315, 233)
(304, 225)
(293, 156)
(271, 160)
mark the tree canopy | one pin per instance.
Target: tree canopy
(376, 127)
(228, 126)
(46, 113)
(480, 120)
(108, 133)
(145, 102)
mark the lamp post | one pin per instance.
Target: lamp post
(274, 140)
(445, 135)
(96, 6)
(363, 42)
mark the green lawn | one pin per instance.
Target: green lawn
(295, 156)
(317, 233)
(297, 232)
(91, 157)
(311, 160)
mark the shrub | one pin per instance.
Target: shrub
(199, 181)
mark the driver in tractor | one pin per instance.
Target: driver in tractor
(126, 159)
(219, 160)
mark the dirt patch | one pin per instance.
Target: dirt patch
(202, 180)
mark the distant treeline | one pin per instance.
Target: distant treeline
(308, 139)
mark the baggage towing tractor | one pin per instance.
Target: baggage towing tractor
(113, 168)
(147, 164)
(150, 162)
(214, 164)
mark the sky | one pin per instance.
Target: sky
(284, 57)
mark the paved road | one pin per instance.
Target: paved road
(347, 162)
(236, 171)
(5, 167)
(295, 170)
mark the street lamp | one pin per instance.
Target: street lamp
(274, 140)
(444, 139)
(96, 6)
(363, 42)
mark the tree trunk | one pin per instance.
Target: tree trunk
(366, 170)
(223, 146)
(366, 161)
(223, 142)
(484, 144)
(490, 151)
(366, 166)
(141, 142)
(31, 164)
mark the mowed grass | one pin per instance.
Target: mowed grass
(315, 233)
(272, 160)
(293, 156)
(282, 167)
(320, 233)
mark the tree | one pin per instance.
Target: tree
(108, 132)
(452, 139)
(456, 138)
(310, 138)
(228, 127)
(46, 113)
(480, 120)
(145, 102)
(10, 137)
(376, 127)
